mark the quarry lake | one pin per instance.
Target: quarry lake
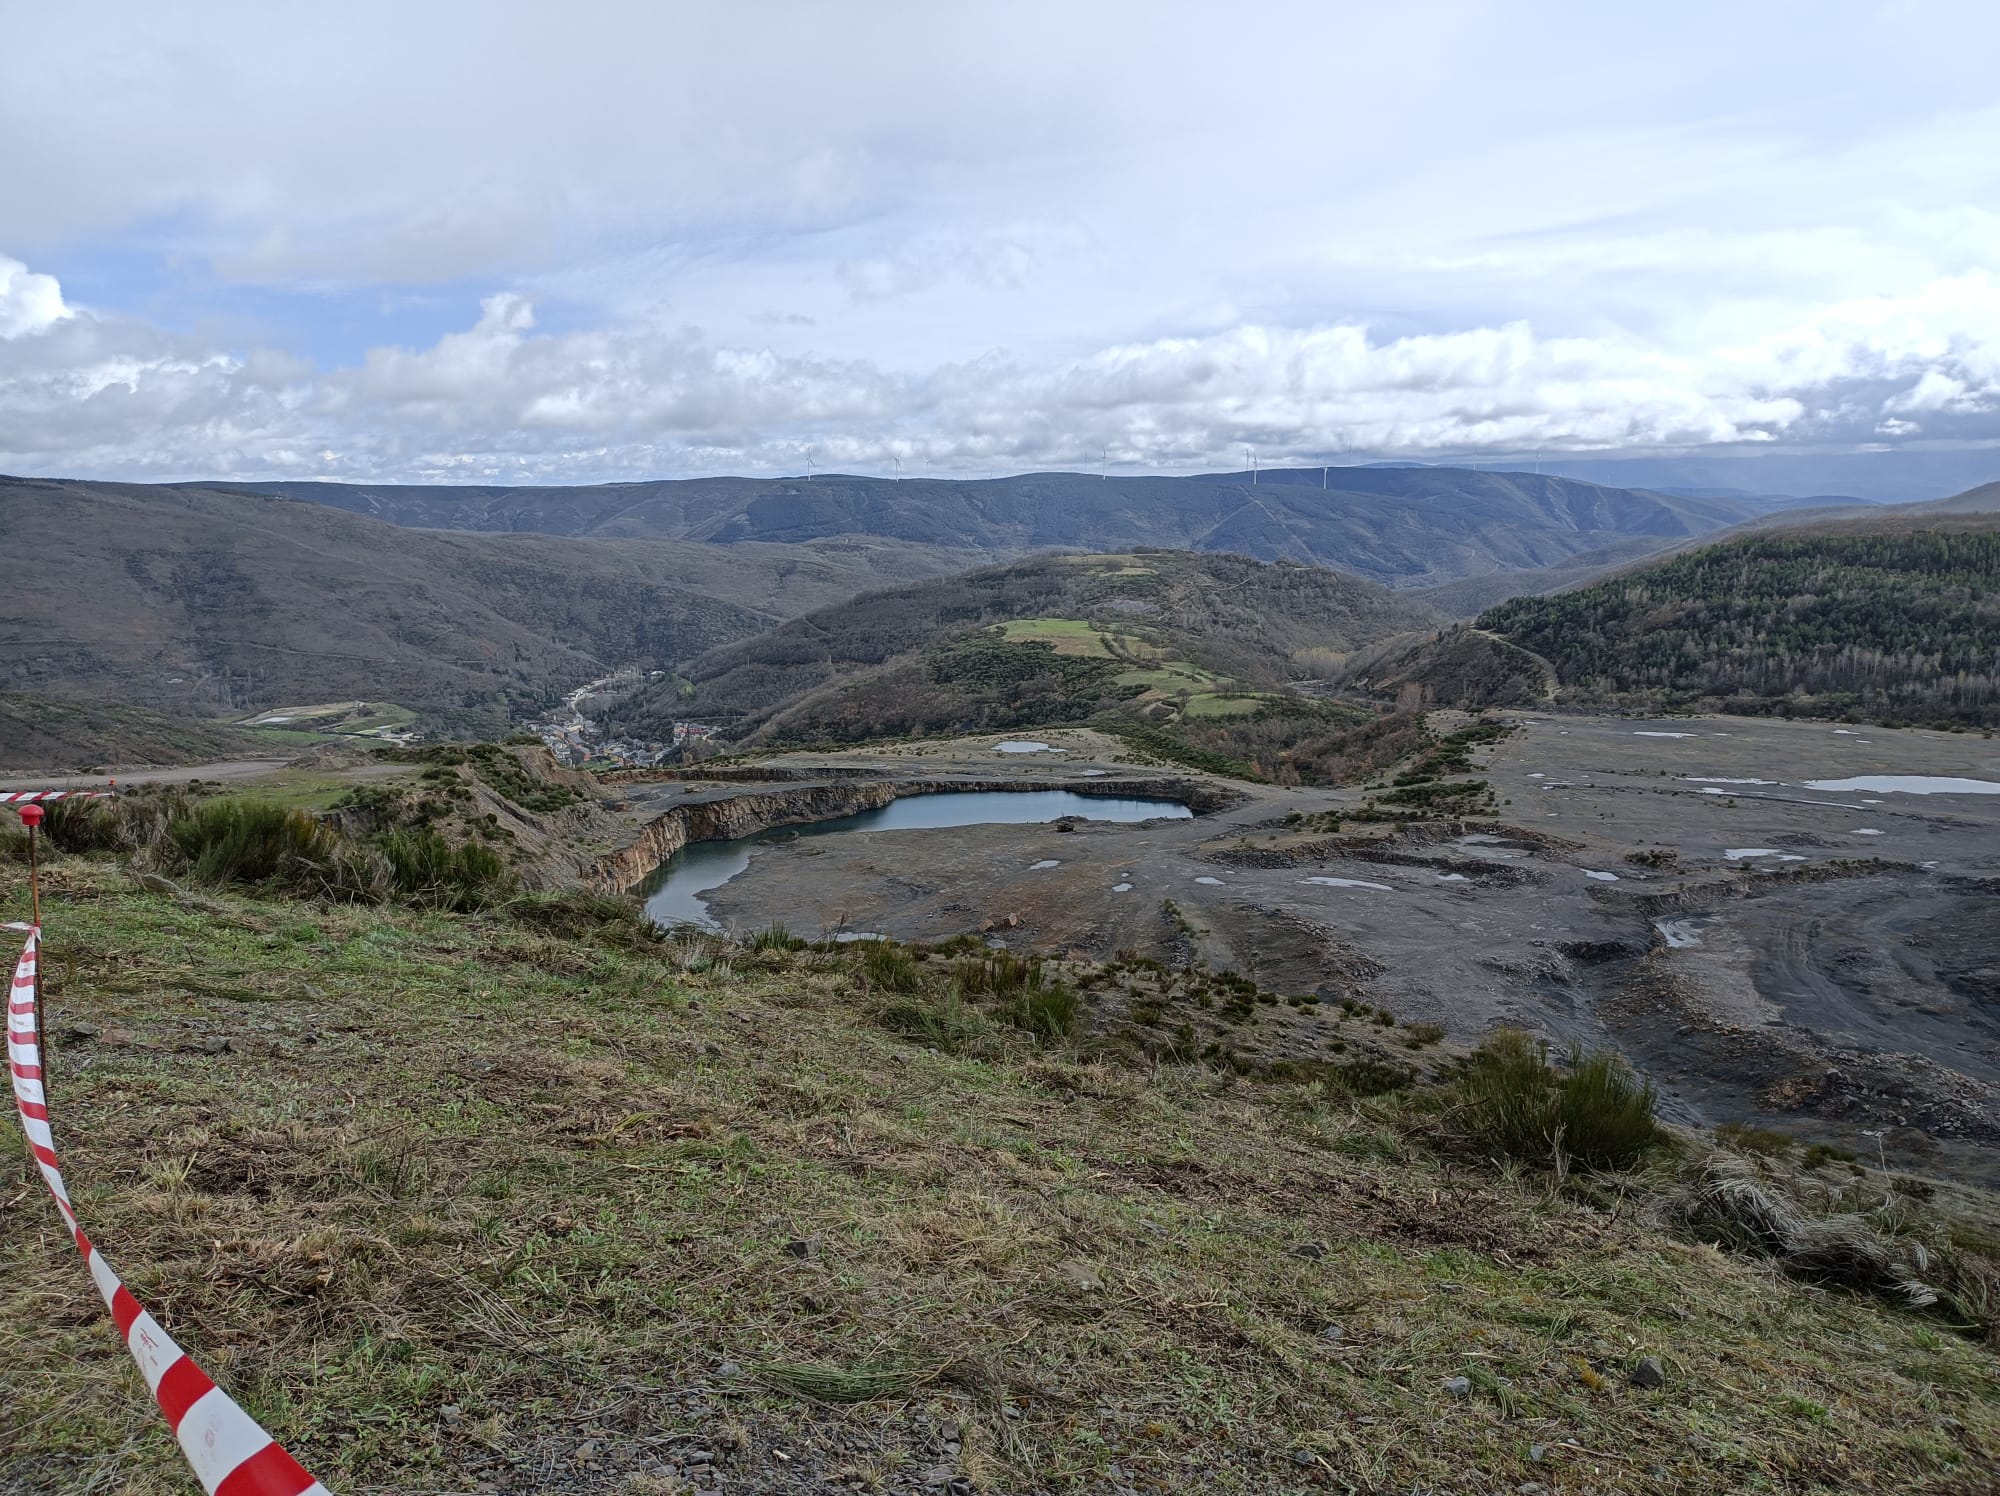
(674, 893)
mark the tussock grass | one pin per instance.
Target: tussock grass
(246, 841)
(776, 937)
(1048, 1011)
(888, 967)
(1593, 1112)
(426, 869)
(837, 1384)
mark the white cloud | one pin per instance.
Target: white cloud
(95, 395)
(28, 303)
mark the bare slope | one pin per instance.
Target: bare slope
(193, 602)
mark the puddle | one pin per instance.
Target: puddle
(1718, 779)
(1025, 745)
(1866, 831)
(1348, 883)
(1601, 877)
(1121, 888)
(1211, 882)
(1681, 934)
(1908, 784)
(1453, 878)
(1036, 867)
(1538, 776)
(1739, 854)
(1095, 773)
(1844, 732)
(848, 937)
(1642, 733)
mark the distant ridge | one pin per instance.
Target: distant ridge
(1401, 526)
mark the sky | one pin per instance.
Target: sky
(506, 242)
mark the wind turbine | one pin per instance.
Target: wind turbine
(1251, 458)
(1104, 469)
(899, 468)
(809, 467)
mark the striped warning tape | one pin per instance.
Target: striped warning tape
(23, 797)
(230, 1454)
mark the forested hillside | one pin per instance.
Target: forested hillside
(1899, 626)
(1191, 653)
(1415, 526)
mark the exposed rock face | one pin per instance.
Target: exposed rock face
(801, 805)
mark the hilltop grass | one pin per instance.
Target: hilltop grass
(1069, 636)
(500, 1198)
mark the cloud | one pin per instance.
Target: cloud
(28, 303)
(94, 395)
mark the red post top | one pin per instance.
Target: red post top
(31, 814)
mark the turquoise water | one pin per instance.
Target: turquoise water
(673, 893)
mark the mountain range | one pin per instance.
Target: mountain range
(1398, 526)
(478, 605)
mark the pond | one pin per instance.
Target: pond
(674, 892)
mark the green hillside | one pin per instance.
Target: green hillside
(1896, 625)
(1190, 654)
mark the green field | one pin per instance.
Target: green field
(337, 718)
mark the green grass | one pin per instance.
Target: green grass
(1593, 1111)
(478, 1184)
(1071, 636)
(1225, 703)
(306, 789)
(1170, 676)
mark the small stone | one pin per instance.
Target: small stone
(937, 1477)
(81, 1031)
(1530, 1488)
(1083, 1275)
(450, 1413)
(586, 1451)
(1458, 1386)
(1312, 1251)
(950, 1433)
(1302, 1457)
(1536, 1451)
(798, 1248)
(729, 1369)
(215, 1044)
(1649, 1373)
(1333, 1334)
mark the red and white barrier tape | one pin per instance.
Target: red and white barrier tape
(230, 1454)
(23, 797)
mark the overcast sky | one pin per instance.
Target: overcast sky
(428, 241)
